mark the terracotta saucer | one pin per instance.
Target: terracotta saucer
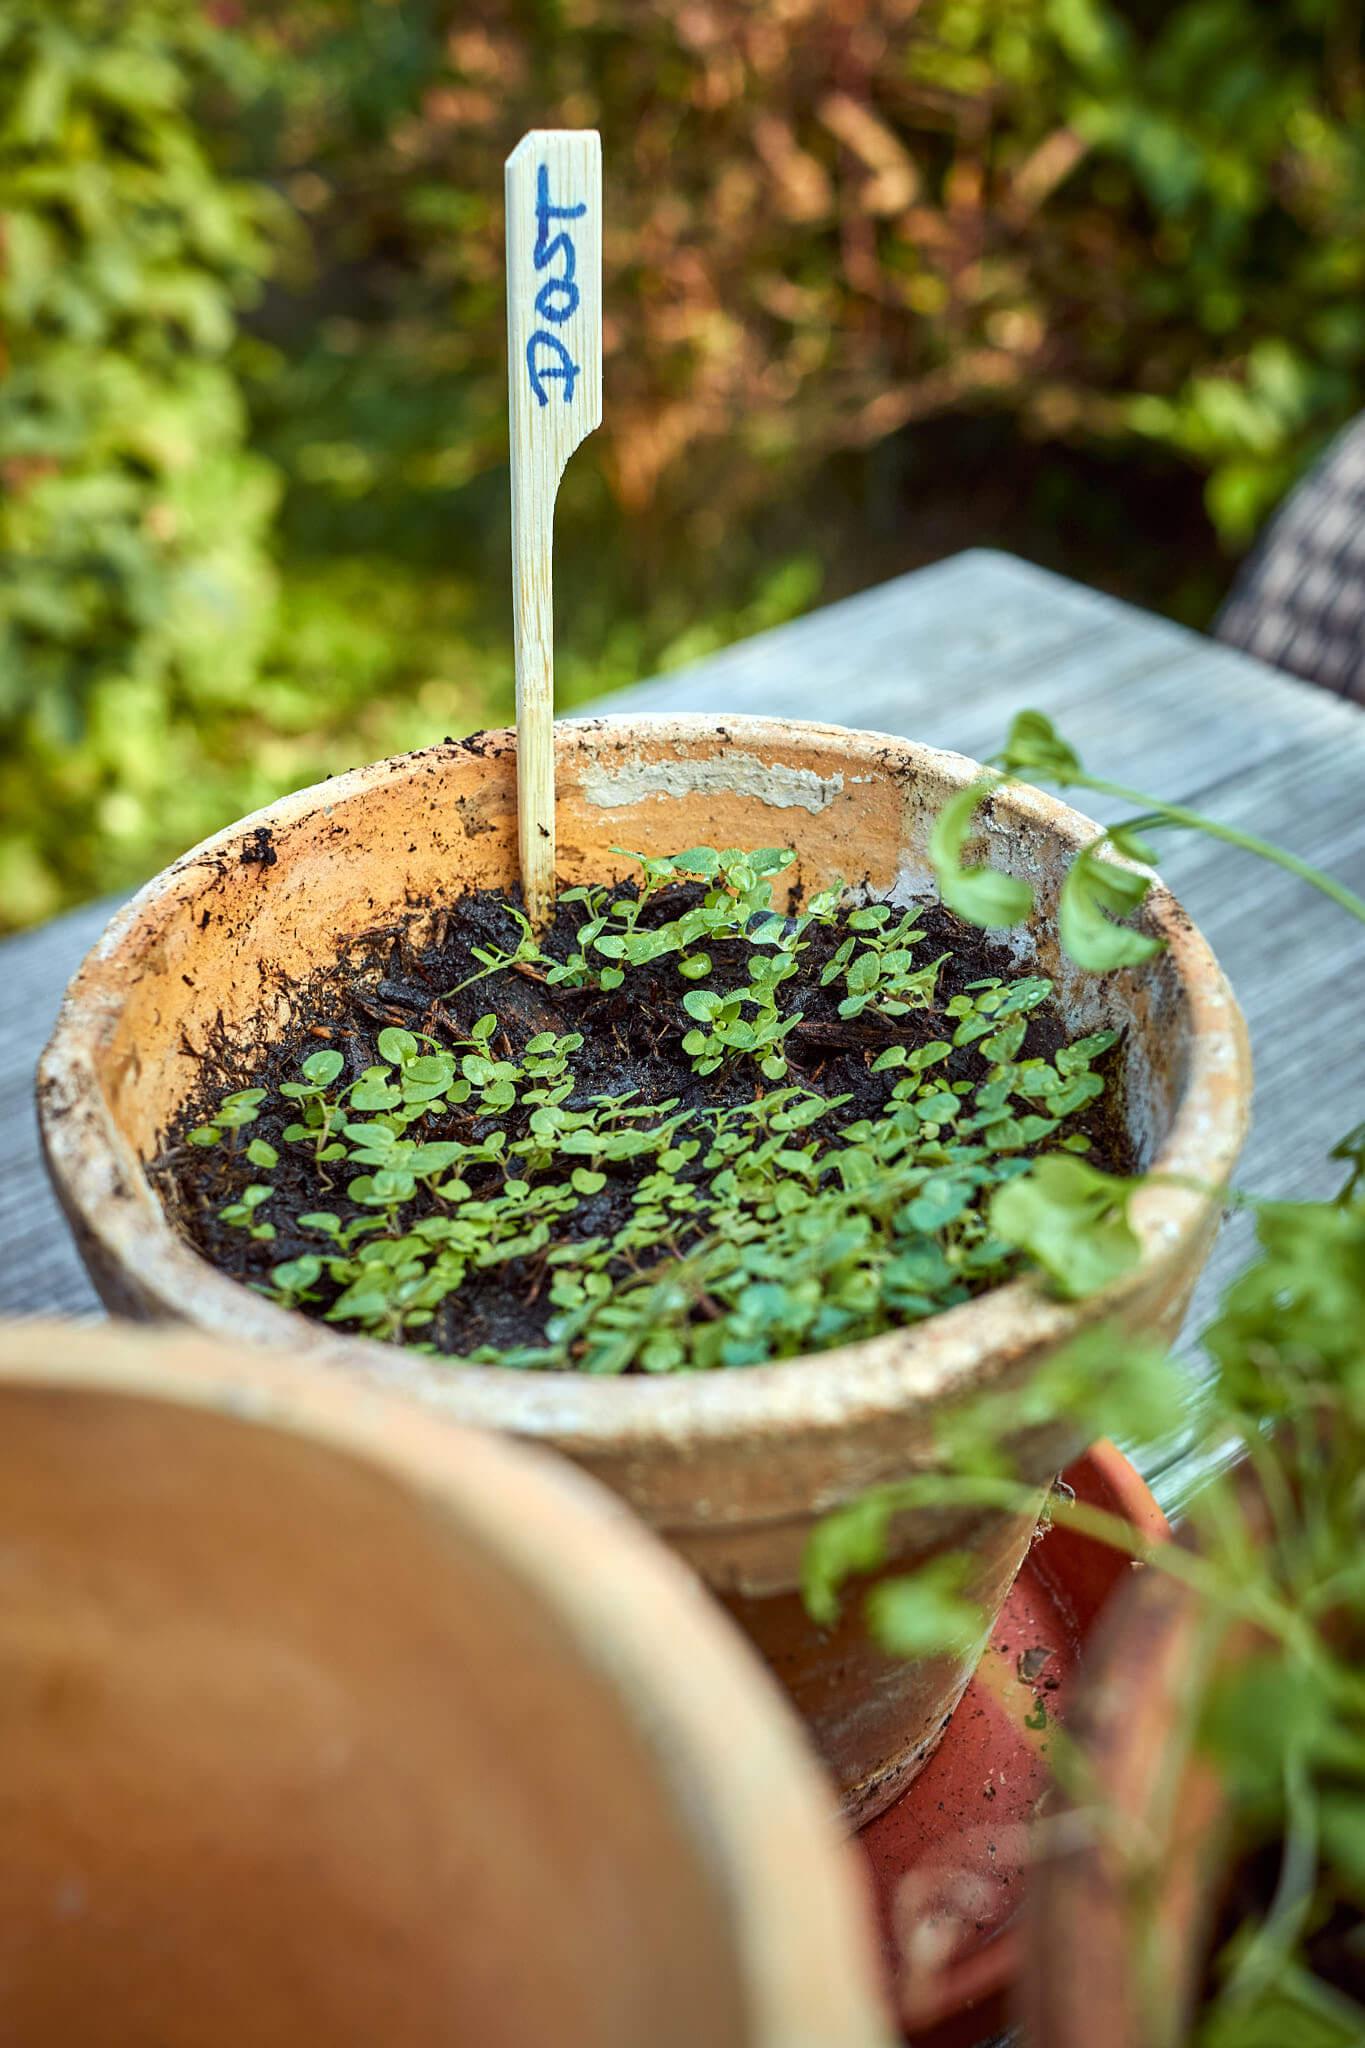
(948, 1858)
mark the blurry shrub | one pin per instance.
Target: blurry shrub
(136, 591)
(826, 219)
(1110, 226)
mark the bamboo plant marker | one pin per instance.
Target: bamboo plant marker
(554, 362)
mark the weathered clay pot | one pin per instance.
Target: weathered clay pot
(733, 1468)
(1121, 1907)
(326, 1722)
(956, 1984)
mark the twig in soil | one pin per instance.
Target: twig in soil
(377, 1014)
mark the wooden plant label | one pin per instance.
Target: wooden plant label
(554, 363)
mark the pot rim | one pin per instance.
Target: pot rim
(756, 1811)
(108, 1198)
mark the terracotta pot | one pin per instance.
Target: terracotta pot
(1121, 1907)
(328, 1722)
(956, 1979)
(733, 1468)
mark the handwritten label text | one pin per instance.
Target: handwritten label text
(547, 358)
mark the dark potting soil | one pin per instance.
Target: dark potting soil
(632, 1044)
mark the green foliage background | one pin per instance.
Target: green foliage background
(882, 276)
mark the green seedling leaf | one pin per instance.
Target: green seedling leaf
(1131, 845)
(699, 861)
(320, 1069)
(1072, 1220)
(296, 1276)
(235, 1114)
(1035, 748)
(851, 1540)
(432, 1069)
(1095, 892)
(373, 1137)
(981, 895)
(926, 1613)
(940, 1202)
(1074, 1058)
(367, 1297)
(770, 860)
(434, 1158)
(395, 1045)
(374, 1095)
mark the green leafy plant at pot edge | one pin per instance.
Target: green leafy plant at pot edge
(1277, 1543)
(757, 1228)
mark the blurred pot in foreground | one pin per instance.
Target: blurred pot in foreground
(327, 1721)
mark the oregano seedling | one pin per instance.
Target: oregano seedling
(848, 1142)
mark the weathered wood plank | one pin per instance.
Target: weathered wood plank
(1297, 963)
(948, 655)
(40, 1273)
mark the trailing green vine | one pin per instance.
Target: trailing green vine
(1095, 892)
(1278, 1543)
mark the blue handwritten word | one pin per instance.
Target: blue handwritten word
(558, 298)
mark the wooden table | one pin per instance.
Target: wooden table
(947, 655)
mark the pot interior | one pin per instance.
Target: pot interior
(288, 1758)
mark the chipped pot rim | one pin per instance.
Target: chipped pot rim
(819, 1395)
